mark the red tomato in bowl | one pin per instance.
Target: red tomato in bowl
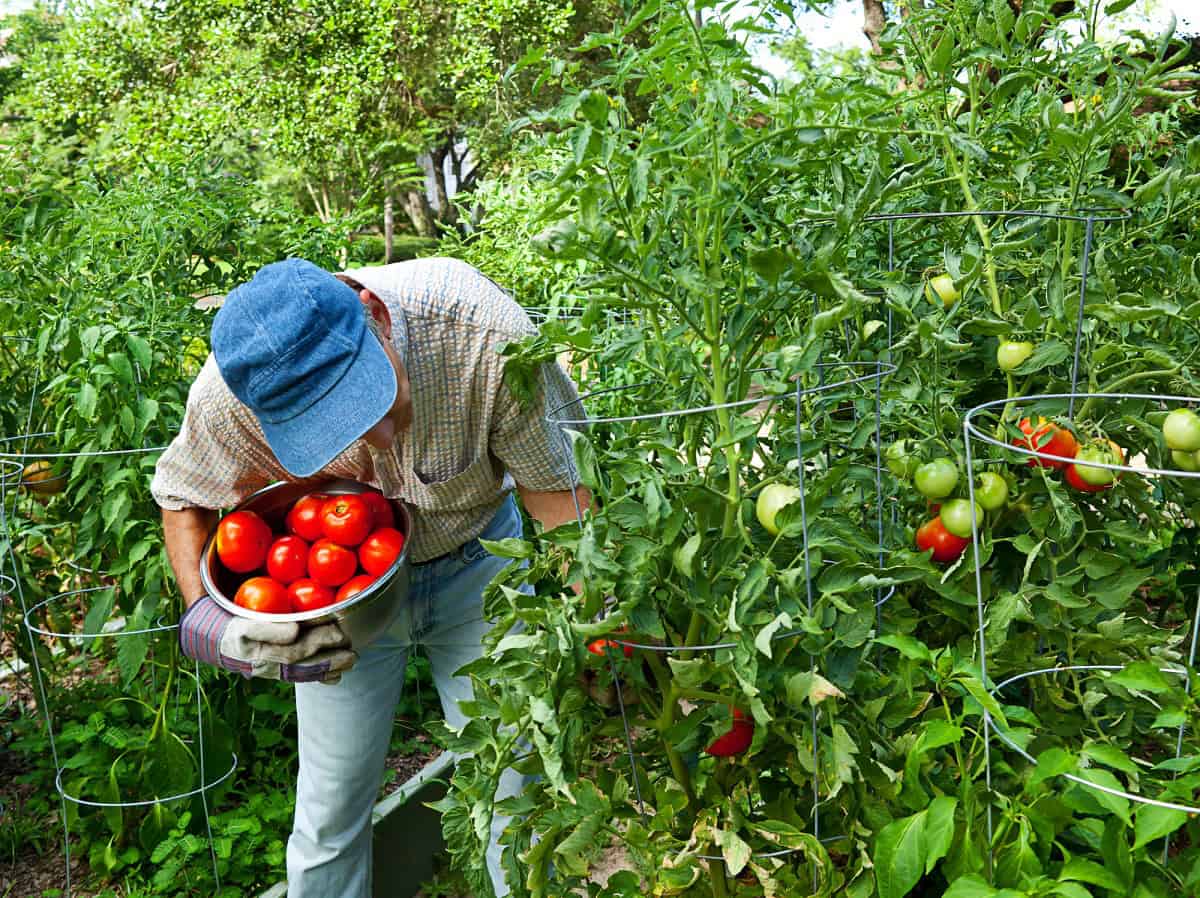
(287, 559)
(304, 518)
(308, 595)
(242, 541)
(346, 519)
(382, 514)
(264, 594)
(380, 550)
(354, 586)
(330, 564)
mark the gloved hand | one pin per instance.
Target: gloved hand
(280, 651)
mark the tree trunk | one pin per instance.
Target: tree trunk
(419, 212)
(447, 213)
(874, 21)
(389, 228)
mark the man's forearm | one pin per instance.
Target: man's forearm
(185, 532)
(550, 509)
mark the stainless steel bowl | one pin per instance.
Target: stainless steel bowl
(362, 617)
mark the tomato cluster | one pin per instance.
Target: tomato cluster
(335, 547)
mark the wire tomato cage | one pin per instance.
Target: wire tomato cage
(13, 481)
(972, 433)
(862, 376)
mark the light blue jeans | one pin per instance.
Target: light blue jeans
(345, 729)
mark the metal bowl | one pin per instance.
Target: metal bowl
(363, 617)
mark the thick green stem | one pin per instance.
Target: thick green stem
(985, 236)
(1120, 383)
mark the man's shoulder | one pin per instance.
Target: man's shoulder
(211, 399)
(449, 289)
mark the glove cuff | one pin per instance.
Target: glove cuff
(200, 631)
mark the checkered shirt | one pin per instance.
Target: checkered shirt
(469, 441)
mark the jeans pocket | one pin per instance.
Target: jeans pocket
(473, 552)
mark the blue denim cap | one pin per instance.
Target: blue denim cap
(293, 346)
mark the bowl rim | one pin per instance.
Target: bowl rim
(335, 486)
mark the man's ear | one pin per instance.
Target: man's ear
(377, 310)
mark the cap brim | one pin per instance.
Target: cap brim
(307, 443)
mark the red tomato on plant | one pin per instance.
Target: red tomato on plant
(242, 541)
(346, 519)
(1076, 482)
(1048, 438)
(735, 740)
(354, 586)
(602, 647)
(287, 559)
(946, 546)
(308, 595)
(380, 550)
(304, 518)
(382, 514)
(264, 594)
(330, 564)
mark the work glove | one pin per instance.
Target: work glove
(253, 648)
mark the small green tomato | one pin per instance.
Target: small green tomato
(991, 491)
(936, 479)
(901, 460)
(943, 286)
(956, 516)
(772, 498)
(1181, 427)
(1010, 354)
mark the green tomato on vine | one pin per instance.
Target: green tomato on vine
(942, 286)
(773, 497)
(901, 458)
(936, 479)
(956, 516)
(991, 491)
(1011, 354)
(1181, 428)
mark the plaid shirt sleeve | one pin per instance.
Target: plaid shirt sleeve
(215, 460)
(533, 449)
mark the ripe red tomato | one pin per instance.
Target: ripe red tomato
(346, 519)
(304, 518)
(308, 595)
(382, 514)
(264, 594)
(330, 564)
(735, 740)
(354, 586)
(287, 559)
(602, 647)
(1048, 438)
(946, 546)
(380, 550)
(242, 541)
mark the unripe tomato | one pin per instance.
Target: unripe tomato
(1075, 481)
(304, 518)
(945, 545)
(956, 516)
(242, 541)
(264, 594)
(39, 477)
(346, 519)
(602, 647)
(308, 595)
(330, 564)
(353, 587)
(287, 559)
(900, 458)
(1010, 354)
(943, 286)
(1186, 461)
(380, 550)
(936, 479)
(773, 497)
(735, 740)
(991, 491)
(382, 514)
(1105, 453)
(1048, 438)
(1181, 427)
